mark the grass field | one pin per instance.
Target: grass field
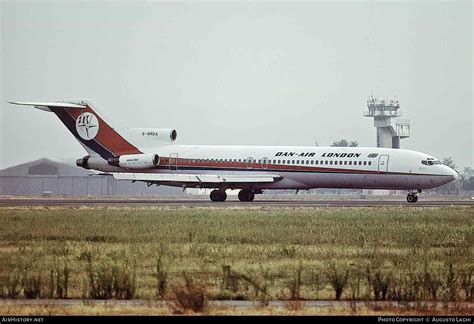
(403, 254)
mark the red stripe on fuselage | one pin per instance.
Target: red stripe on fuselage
(107, 136)
(181, 162)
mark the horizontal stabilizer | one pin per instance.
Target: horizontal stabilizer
(44, 105)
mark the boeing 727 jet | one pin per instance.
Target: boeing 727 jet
(151, 156)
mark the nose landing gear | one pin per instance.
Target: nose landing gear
(412, 197)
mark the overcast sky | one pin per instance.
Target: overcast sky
(252, 73)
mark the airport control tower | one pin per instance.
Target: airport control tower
(390, 128)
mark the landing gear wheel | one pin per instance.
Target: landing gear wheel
(251, 196)
(218, 195)
(412, 198)
(246, 195)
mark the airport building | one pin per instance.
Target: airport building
(47, 177)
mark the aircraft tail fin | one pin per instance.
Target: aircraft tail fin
(97, 133)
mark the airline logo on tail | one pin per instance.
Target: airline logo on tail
(87, 126)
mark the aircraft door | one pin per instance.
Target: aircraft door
(173, 161)
(383, 163)
(249, 162)
(264, 163)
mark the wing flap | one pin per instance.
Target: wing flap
(198, 178)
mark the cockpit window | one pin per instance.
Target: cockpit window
(430, 161)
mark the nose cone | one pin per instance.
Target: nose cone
(454, 175)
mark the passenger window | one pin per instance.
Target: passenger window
(330, 162)
(326, 162)
(297, 161)
(345, 162)
(278, 161)
(365, 162)
(316, 162)
(350, 162)
(293, 162)
(312, 162)
(370, 163)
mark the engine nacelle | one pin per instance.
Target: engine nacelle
(136, 161)
(84, 162)
(153, 136)
(92, 162)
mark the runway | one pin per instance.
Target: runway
(265, 202)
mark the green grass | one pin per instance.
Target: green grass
(410, 248)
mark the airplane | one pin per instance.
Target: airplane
(150, 155)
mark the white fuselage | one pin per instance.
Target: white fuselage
(150, 155)
(300, 167)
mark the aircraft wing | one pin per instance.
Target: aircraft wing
(198, 179)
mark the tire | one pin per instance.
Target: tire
(411, 198)
(246, 195)
(222, 196)
(215, 195)
(251, 196)
(416, 199)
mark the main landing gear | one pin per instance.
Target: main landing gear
(218, 195)
(246, 195)
(412, 197)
